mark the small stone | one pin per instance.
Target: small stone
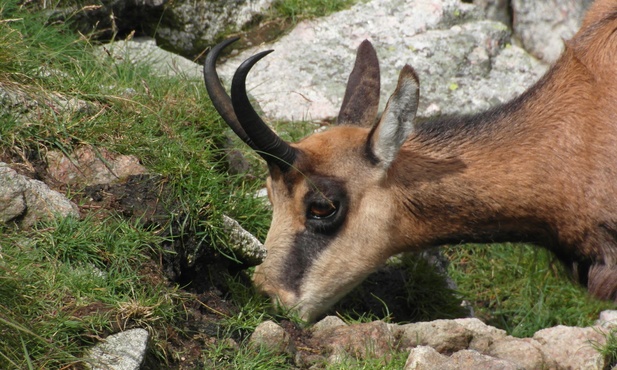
(328, 322)
(607, 319)
(425, 358)
(248, 248)
(445, 336)
(273, 337)
(121, 351)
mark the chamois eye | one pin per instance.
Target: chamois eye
(321, 210)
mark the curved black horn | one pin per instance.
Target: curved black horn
(271, 147)
(216, 91)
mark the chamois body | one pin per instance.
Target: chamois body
(541, 169)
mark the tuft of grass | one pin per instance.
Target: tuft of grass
(297, 10)
(393, 361)
(228, 355)
(609, 349)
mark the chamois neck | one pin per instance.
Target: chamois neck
(471, 175)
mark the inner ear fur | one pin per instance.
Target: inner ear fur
(361, 100)
(397, 120)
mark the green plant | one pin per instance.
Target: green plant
(609, 349)
(520, 288)
(297, 10)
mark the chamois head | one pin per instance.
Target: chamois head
(334, 219)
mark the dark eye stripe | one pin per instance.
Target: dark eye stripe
(320, 232)
(306, 248)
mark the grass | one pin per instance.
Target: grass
(67, 283)
(521, 288)
(609, 349)
(297, 10)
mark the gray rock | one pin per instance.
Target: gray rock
(186, 27)
(30, 200)
(470, 359)
(567, 347)
(327, 323)
(143, 50)
(542, 25)
(483, 335)
(28, 103)
(607, 319)
(523, 352)
(12, 201)
(425, 358)
(465, 63)
(121, 351)
(496, 10)
(361, 341)
(247, 247)
(445, 336)
(272, 337)
(190, 26)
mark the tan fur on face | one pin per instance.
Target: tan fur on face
(364, 241)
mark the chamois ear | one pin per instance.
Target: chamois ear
(397, 120)
(361, 100)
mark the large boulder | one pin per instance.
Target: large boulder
(542, 25)
(465, 63)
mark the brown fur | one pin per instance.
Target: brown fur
(544, 172)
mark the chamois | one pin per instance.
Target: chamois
(541, 169)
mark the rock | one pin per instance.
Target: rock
(328, 323)
(496, 10)
(12, 201)
(272, 337)
(465, 63)
(92, 166)
(445, 336)
(28, 201)
(28, 103)
(186, 27)
(470, 359)
(607, 319)
(524, 352)
(361, 341)
(189, 27)
(143, 50)
(247, 247)
(483, 335)
(425, 358)
(542, 25)
(567, 347)
(121, 351)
